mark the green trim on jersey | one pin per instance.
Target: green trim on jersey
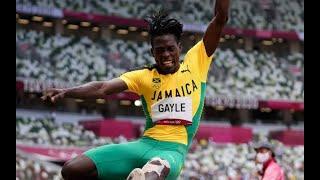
(149, 123)
(196, 119)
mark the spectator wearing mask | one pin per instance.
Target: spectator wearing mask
(269, 168)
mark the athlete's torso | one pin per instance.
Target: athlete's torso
(173, 103)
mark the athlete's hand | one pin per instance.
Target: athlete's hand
(53, 94)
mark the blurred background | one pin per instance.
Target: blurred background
(255, 88)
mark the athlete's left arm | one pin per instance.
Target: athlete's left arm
(212, 35)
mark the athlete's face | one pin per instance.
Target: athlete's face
(166, 51)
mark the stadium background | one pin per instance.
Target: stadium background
(255, 86)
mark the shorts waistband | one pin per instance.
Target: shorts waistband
(182, 148)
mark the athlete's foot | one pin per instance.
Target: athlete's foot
(136, 174)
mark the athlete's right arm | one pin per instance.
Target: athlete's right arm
(91, 90)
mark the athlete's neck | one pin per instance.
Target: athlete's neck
(166, 72)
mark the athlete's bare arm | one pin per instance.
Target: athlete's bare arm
(91, 90)
(212, 35)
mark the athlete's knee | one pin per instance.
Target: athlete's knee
(69, 170)
(156, 167)
(78, 168)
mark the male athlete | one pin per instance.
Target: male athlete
(172, 95)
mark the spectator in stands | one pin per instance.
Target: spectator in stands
(270, 169)
(169, 91)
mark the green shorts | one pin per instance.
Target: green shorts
(116, 161)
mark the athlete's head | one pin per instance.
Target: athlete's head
(165, 34)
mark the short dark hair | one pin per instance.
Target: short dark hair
(161, 24)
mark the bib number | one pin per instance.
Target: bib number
(172, 111)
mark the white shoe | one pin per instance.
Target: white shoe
(136, 174)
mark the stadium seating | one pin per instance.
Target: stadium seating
(45, 131)
(73, 59)
(258, 74)
(282, 15)
(79, 59)
(31, 168)
(285, 15)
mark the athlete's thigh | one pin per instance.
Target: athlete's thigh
(175, 159)
(115, 161)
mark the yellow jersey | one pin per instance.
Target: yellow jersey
(173, 103)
